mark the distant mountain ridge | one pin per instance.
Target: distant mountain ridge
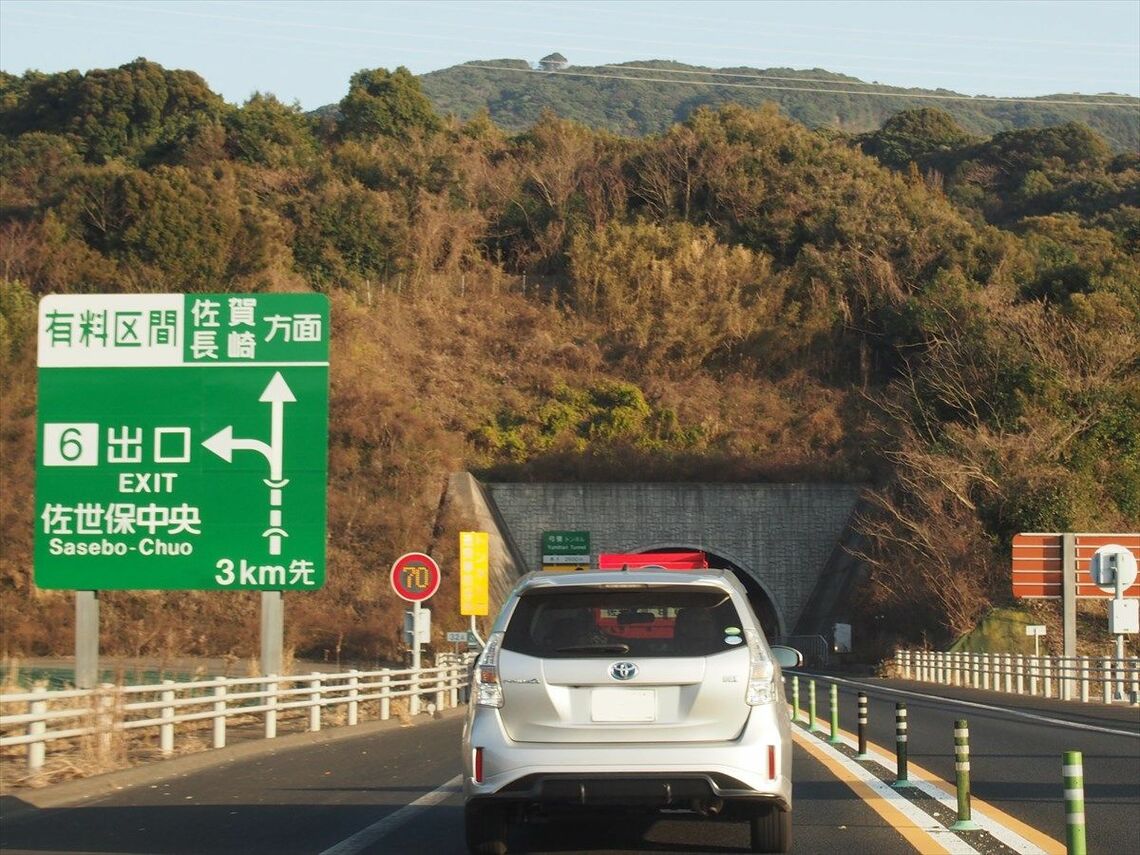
(646, 97)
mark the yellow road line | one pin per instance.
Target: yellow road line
(1038, 838)
(919, 838)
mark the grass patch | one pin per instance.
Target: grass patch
(1002, 630)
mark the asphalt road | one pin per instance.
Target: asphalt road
(1016, 749)
(311, 798)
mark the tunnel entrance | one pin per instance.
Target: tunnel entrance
(758, 598)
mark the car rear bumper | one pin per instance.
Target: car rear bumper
(658, 790)
(633, 773)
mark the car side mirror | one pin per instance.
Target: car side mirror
(787, 657)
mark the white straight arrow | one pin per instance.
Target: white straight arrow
(277, 394)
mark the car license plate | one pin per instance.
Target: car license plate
(623, 705)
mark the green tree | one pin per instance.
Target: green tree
(345, 233)
(119, 112)
(386, 104)
(916, 135)
(268, 133)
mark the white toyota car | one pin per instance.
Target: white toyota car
(629, 689)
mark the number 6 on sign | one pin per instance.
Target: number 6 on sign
(71, 444)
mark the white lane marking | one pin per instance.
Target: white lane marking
(949, 840)
(381, 828)
(1010, 838)
(991, 708)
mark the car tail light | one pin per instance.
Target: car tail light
(478, 766)
(771, 762)
(761, 672)
(488, 689)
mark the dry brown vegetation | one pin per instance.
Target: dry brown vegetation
(739, 298)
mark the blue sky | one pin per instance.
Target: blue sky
(306, 52)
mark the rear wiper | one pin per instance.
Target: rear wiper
(600, 648)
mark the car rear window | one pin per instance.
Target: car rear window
(646, 622)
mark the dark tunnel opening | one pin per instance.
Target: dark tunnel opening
(757, 598)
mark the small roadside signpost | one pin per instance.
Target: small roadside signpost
(458, 638)
(415, 577)
(181, 445)
(1036, 630)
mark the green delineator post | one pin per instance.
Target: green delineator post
(182, 441)
(795, 697)
(834, 739)
(962, 776)
(811, 706)
(1073, 772)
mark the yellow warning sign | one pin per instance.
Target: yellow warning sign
(473, 572)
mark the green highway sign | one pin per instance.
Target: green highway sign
(182, 441)
(565, 547)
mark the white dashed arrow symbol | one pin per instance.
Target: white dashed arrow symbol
(277, 394)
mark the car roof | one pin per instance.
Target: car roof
(622, 578)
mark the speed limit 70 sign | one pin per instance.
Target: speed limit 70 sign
(415, 577)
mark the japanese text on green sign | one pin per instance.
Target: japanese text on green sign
(182, 441)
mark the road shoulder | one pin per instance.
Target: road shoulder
(17, 804)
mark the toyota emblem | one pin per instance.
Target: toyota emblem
(623, 670)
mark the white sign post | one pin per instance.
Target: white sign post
(1036, 630)
(415, 577)
(1113, 568)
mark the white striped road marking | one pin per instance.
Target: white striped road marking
(921, 822)
(1006, 835)
(368, 836)
(991, 708)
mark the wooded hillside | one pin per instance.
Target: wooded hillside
(952, 318)
(648, 96)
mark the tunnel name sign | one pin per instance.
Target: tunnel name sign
(182, 441)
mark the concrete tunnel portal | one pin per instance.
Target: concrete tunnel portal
(784, 542)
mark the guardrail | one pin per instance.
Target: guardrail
(1068, 678)
(90, 718)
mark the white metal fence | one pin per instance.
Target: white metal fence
(90, 718)
(1079, 677)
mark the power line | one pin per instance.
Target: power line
(888, 94)
(1130, 49)
(343, 45)
(722, 73)
(277, 22)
